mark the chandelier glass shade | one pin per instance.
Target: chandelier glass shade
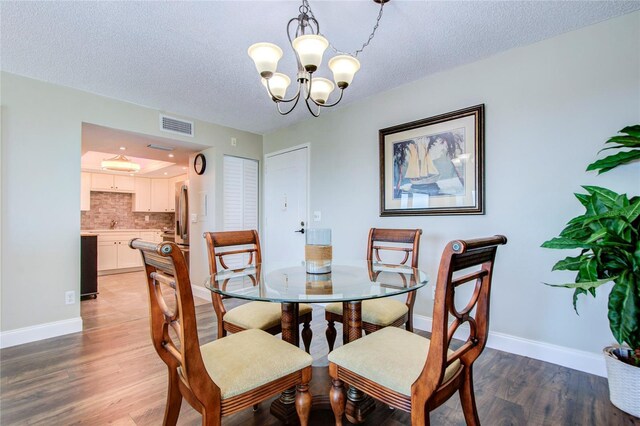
(120, 163)
(309, 47)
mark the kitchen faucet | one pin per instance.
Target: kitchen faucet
(113, 224)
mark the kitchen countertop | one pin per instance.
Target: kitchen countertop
(104, 231)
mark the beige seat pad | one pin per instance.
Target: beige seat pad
(243, 361)
(261, 315)
(376, 311)
(391, 357)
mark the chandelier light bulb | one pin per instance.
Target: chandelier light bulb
(278, 84)
(321, 89)
(265, 56)
(310, 49)
(344, 68)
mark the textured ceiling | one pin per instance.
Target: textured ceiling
(190, 57)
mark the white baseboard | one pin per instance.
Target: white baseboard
(588, 362)
(39, 332)
(201, 292)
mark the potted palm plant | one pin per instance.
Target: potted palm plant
(607, 236)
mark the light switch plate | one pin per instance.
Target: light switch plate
(194, 217)
(317, 216)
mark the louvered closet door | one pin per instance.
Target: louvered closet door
(240, 199)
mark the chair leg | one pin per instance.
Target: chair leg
(419, 415)
(331, 334)
(303, 403)
(338, 400)
(174, 400)
(307, 335)
(468, 399)
(221, 331)
(409, 323)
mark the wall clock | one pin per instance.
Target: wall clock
(199, 164)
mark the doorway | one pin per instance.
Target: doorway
(286, 204)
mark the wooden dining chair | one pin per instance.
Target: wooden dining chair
(226, 375)
(383, 312)
(261, 315)
(414, 373)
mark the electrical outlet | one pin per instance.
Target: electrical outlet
(146, 218)
(234, 142)
(70, 297)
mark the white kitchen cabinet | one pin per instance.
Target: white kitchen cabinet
(111, 183)
(114, 251)
(128, 257)
(85, 191)
(171, 194)
(107, 255)
(124, 183)
(154, 236)
(159, 198)
(142, 195)
(101, 182)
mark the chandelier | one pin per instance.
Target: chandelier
(120, 163)
(309, 46)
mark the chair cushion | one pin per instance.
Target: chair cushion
(243, 361)
(391, 357)
(381, 312)
(261, 315)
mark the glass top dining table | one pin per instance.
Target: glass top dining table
(347, 282)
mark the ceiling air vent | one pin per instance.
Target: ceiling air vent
(174, 125)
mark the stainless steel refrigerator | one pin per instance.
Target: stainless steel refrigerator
(182, 213)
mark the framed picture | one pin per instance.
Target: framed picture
(434, 166)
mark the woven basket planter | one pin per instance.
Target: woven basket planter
(624, 391)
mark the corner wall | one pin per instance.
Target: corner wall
(549, 108)
(41, 146)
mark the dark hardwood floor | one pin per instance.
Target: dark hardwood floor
(110, 374)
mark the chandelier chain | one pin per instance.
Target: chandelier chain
(305, 3)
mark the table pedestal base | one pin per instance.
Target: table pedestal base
(359, 406)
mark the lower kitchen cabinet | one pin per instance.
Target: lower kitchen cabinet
(107, 255)
(114, 251)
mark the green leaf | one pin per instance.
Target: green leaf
(570, 263)
(632, 130)
(624, 310)
(584, 285)
(626, 141)
(632, 212)
(614, 160)
(598, 235)
(583, 198)
(606, 196)
(581, 288)
(564, 243)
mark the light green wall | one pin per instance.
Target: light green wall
(549, 108)
(41, 143)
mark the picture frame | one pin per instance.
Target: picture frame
(434, 166)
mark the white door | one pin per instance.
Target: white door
(285, 201)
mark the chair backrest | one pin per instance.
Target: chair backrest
(458, 255)
(221, 244)
(404, 240)
(174, 329)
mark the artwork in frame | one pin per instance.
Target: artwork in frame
(434, 166)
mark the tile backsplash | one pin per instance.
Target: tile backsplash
(108, 206)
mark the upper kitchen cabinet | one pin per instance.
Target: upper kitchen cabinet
(159, 195)
(112, 183)
(142, 195)
(85, 191)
